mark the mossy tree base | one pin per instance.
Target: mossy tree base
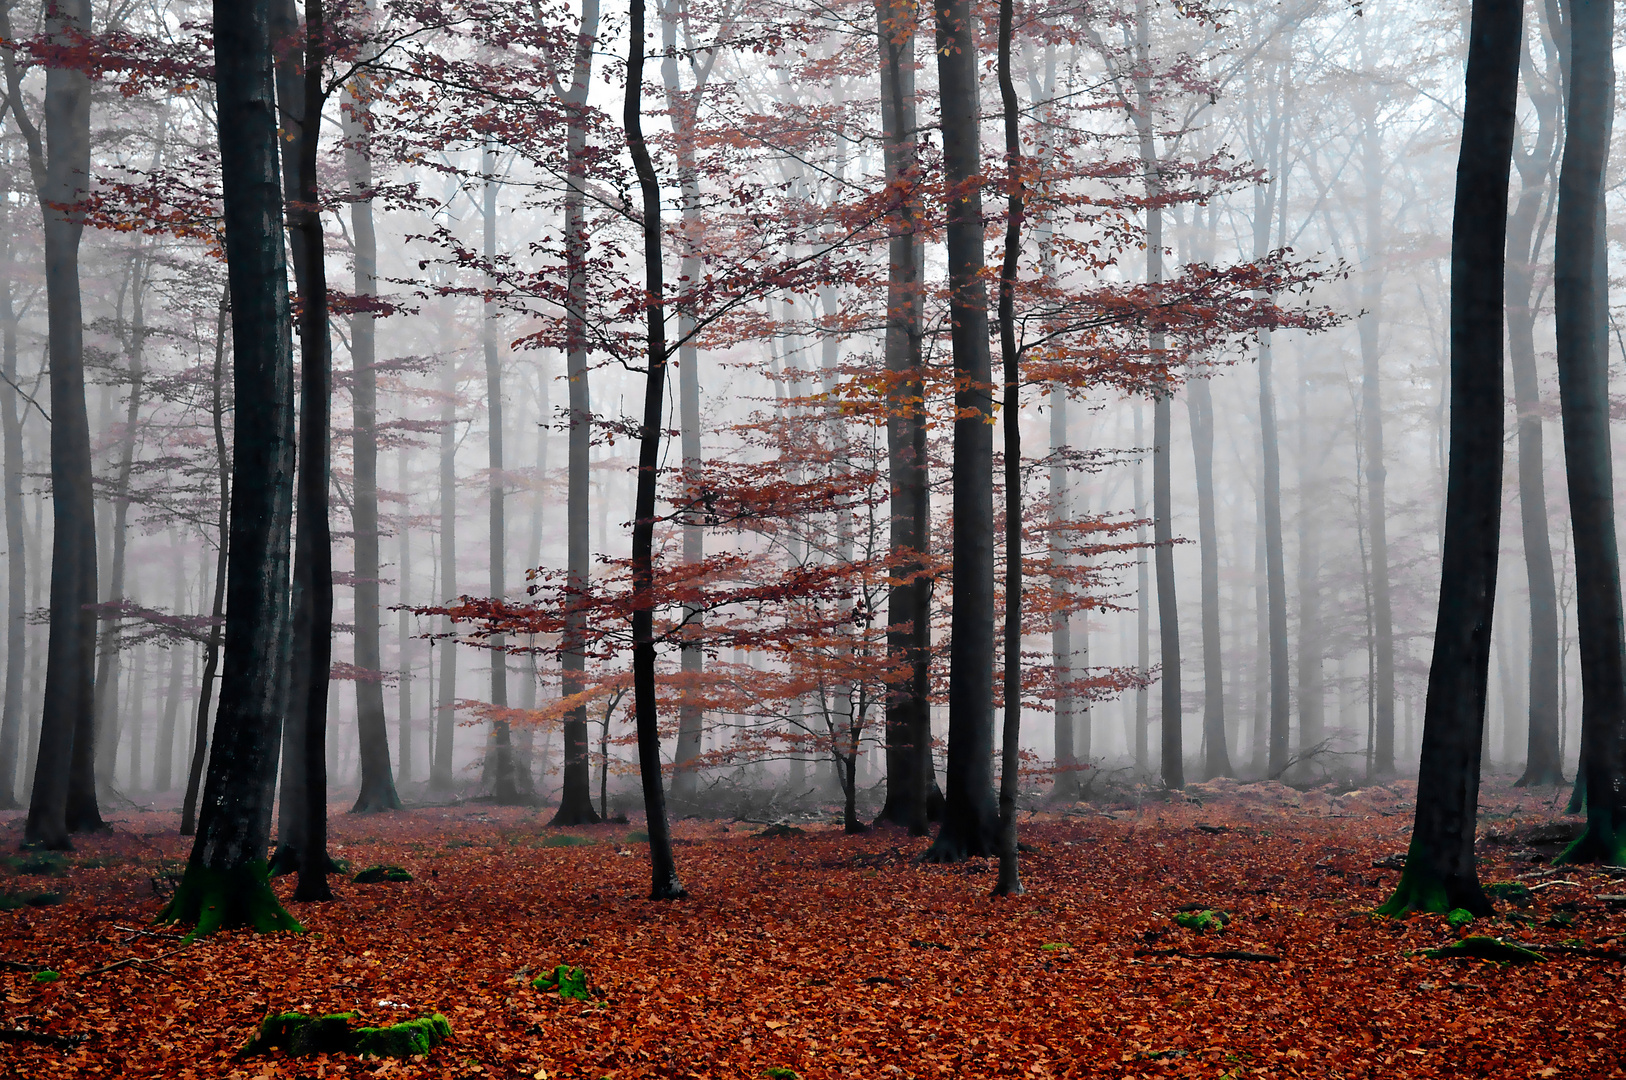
(299, 1035)
(225, 899)
(1425, 890)
(1598, 843)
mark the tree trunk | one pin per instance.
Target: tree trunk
(1440, 869)
(1009, 882)
(164, 772)
(377, 791)
(1543, 764)
(908, 637)
(1200, 404)
(1581, 297)
(225, 882)
(440, 769)
(664, 884)
(211, 650)
(64, 795)
(970, 812)
(404, 621)
(1143, 595)
(576, 795)
(1312, 681)
(1065, 787)
(13, 717)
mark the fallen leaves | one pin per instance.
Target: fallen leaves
(829, 955)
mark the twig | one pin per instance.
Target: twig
(130, 960)
(61, 1042)
(1584, 950)
(1216, 954)
(149, 933)
(17, 965)
(1550, 884)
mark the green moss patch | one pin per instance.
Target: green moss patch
(299, 1035)
(1514, 892)
(38, 864)
(1485, 948)
(46, 976)
(1457, 918)
(1203, 921)
(566, 981)
(375, 874)
(637, 837)
(567, 840)
(12, 899)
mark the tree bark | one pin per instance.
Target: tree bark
(1581, 297)
(1065, 787)
(440, 768)
(909, 783)
(664, 883)
(64, 795)
(1143, 597)
(14, 715)
(1200, 406)
(970, 812)
(1441, 871)
(225, 881)
(1312, 650)
(576, 794)
(377, 791)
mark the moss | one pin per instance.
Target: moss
(779, 1072)
(403, 1040)
(1203, 921)
(11, 900)
(38, 864)
(566, 981)
(1602, 841)
(46, 976)
(1514, 892)
(1420, 889)
(1486, 948)
(567, 840)
(637, 838)
(223, 899)
(300, 1035)
(375, 874)
(1457, 918)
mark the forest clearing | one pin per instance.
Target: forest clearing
(833, 956)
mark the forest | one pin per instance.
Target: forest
(570, 541)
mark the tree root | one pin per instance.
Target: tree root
(43, 1038)
(223, 899)
(1213, 954)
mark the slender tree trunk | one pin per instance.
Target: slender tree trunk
(1066, 787)
(164, 771)
(576, 795)
(440, 771)
(404, 621)
(211, 650)
(1200, 405)
(377, 791)
(1440, 869)
(1312, 650)
(13, 718)
(64, 794)
(1009, 882)
(1581, 296)
(664, 884)
(1143, 595)
(970, 812)
(908, 637)
(225, 882)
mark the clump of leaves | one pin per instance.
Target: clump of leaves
(300, 1035)
(1514, 892)
(11, 899)
(567, 840)
(565, 980)
(375, 874)
(1203, 921)
(1485, 948)
(1457, 918)
(46, 976)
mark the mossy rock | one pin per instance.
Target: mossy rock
(1514, 892)
(1486, 948)
(300, 1035)
(637, 838)
(375, 874)
(779, 831)
(779, 1072)
(567, 840)
(1457, 918)
(11, 900)
(566, 981)
(46, 976)
(1204, 921)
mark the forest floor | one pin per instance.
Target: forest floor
(838, 956)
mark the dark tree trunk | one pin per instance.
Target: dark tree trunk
(970, 811)
(225, 882)
(664, 884)
(1581, 296)
(909, 783)
(1440, 869)
(1200, 404)
(576, 794)
(211, 649)
(372, 726)
(1543, 764)
(505, 784)
(64, 795)
(1009, 882)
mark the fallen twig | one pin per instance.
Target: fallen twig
(1584, 950)
(1212, 954)
(131, 960)
(1550, 884)
(44, 1038)
(18, 965)
(149, 933)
